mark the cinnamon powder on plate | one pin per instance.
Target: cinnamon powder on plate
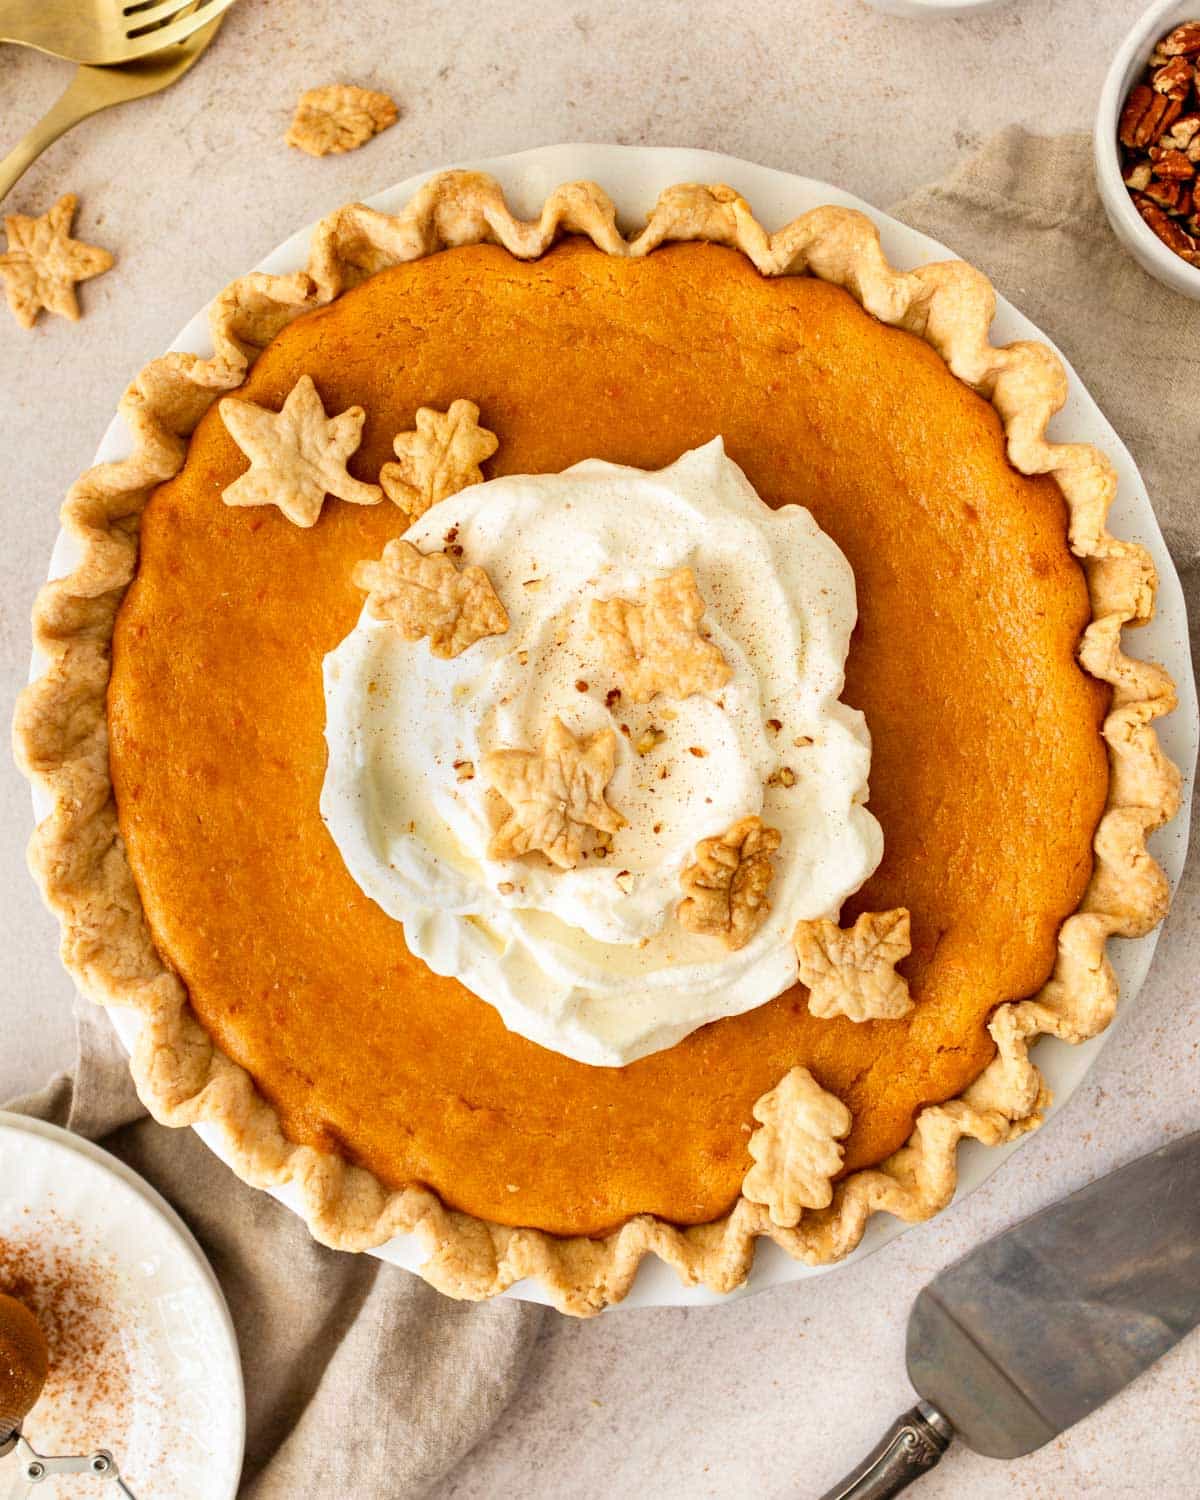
(49, 1264)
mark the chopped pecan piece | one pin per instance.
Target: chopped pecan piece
(1169, 196)
(1171, 163)
(1146, 116)
(1172, 234)
(1182, 134)
(1137, 177)
(1139, 101)
(1184, 41)
(1174, 79)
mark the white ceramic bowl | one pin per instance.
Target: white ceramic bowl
(1128, 226)
(931, 8)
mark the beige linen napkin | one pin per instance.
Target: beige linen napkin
(362, 1381)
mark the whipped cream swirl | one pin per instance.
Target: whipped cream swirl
(591, 961)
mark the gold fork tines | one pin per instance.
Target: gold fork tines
(94, 89)
(104, 32)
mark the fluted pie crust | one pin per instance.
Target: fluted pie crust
(77, 855)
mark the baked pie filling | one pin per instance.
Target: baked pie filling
(490, 717)
(983, 726)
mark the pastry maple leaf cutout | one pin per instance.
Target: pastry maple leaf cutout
(654, 645)
(725, 891)
(851, 971)
(554, 795)
(441, 457)
(43, 263)
(426, 595)
(795, 1149)
(297, 455)
(339, 117)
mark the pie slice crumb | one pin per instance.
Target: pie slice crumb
(439, 458)
(654, 644)
(425, 594)
(725, 891)
(43, 264)
(795, 1148)
(297, 455)
(851, 971)
(339, 117)
(554, 795)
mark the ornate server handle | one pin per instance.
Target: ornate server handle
(36, 1468)
(912, 1445)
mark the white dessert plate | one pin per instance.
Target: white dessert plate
(147, 1362)
(633, 176)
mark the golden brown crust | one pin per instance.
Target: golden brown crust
(795, 1148)
(725, 890)
(339, 117)
(851, 971)
(438, 458)
(43, 264)
(77, 856)
(428, 594)
(654, 644)
(297, 454)
(553, 797)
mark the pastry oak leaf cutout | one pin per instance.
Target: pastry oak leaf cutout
(795, 1149)
(439, 458)
(43, 263)
(554, 795)
(339, 117)
(852, 971)
(297, 455)
(426, 594)
(725, 891)
(654, 645)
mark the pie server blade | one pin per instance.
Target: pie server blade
(1033, 1330)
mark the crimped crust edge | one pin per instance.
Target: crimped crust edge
(78, 858)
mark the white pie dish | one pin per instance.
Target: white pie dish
(634, 177)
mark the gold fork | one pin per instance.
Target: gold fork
(93, 89)
(104, 32)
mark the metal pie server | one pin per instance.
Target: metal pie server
(1035, 1329)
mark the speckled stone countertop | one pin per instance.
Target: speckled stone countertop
(774, 1395)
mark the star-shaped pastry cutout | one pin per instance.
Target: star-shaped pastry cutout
(654, 645)
(43, 263)
(725, 891)
(554, 795)
(439, 458)
(297, 455)
(425, 594)
(852, 971)
(795, 1150)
